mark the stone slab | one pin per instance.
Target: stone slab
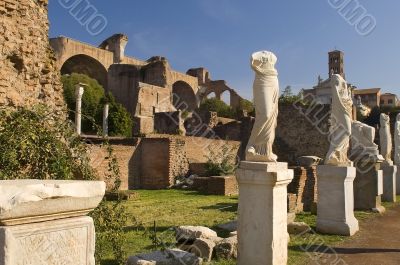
(398, 181)
(389, 183)
(68, 241)
(262, 222)
(335, 214)
(28, 201)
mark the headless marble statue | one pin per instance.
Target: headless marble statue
(397, 141)
(362, 141)
(341, 121)
(386, 138)
(266, 95)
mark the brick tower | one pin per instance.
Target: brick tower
(336, 63)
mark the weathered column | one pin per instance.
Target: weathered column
(389, 182)
(79, 90)
(105, 119)
(44, 221)
(262, 222)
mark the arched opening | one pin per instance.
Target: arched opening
(183, 96)
(211, 95)
(226, 97)
(83, 64)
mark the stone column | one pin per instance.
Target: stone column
(368, 186)
(262, 222)
(79, 90)
(105, 119)
(389, 182)
(44, 221)
(335, 213)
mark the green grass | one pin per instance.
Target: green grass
(169, 208)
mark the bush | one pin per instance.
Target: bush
(39, 144)
(220, 162)
(218, 106)
(246, 105)
(120, 121)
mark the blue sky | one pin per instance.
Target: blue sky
(220, 35)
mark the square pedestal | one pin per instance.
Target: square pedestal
(389, 183)
(368, 187)
(398, 181)
(68, 241)
(262, 223)
(335, 214)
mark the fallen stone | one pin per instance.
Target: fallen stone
(167, 257)
(230, 227)
(191, 233)
(308, 161)
(227, 248)
(297, 228)
(203, 248)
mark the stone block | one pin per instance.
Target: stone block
(262, 223)
(335, 213)
(368, 187)
(222, 185)
(68, 241)
(389, 182)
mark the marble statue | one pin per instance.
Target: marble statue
(341, 120)
(386, 138)
(397, 141)
(266, 95)
(362, 141)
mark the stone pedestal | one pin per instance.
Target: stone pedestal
(398, 181)
(262, 223)
(389, 182)
(336, 200)
(44, 222)
(368, 187)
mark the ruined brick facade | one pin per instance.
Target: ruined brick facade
(28, 75)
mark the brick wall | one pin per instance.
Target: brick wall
(28, 74)
(303, 189)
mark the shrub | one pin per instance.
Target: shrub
(220, 162)
(119, 120)
(39, 144)
(246, 105)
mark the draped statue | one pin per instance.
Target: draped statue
(341, 122)
(397, 141)
(266, 95)
(386, 138)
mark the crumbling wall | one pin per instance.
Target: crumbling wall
(28, 73)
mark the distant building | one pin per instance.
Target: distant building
(369, 97)
(336, 63)
(389, 100)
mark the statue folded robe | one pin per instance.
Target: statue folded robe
(266, 96)
(341, 121)
(386, 138)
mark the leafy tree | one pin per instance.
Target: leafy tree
(220, 162)
(94, 97)
(288, 97)
(218, 106)
(246, 105)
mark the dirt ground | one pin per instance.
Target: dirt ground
(377, 243)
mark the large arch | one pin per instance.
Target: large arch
(83, 64)
(183, 96)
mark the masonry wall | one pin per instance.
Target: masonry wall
(28, 74)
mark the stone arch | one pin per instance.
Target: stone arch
(83, 64)
(183, 96)
(226, 96)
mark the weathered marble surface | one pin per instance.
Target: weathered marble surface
(362, 143)
(397, 141)
(262, 223)
(389, 182)
(335, 213)
(69, 241)
(266, 95)
(27, 201)
(386, 138)
(341, 119)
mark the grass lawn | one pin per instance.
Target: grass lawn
(161, 210)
